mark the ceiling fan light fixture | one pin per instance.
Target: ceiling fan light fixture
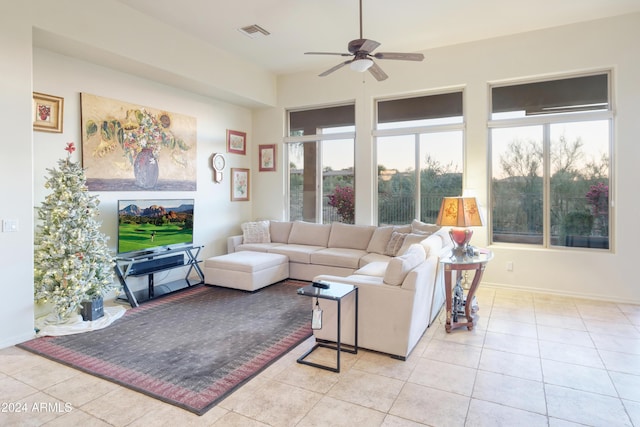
(361, 64)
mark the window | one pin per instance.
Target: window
(550, 162)
(321, 153)
(419, 149)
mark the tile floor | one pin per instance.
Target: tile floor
(533, 360)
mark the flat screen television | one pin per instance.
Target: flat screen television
(153, 224)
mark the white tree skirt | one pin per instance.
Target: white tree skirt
(50, 325)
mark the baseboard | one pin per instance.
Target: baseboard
(582, 295)
(11, 341)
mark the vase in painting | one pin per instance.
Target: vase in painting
(145, 169)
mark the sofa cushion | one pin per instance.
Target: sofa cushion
(245, 261)
(373, 257)
(379, 239)
(400, 266)
(395, 243)
(338, 257)
(411, 239)
(350, 236)
(255, 232)
(377, 269)
(296, 253)
(423, 227)
(279, 231)
(256, 247)
(309, 233)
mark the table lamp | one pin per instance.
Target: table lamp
(459, 213)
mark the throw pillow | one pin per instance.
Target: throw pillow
(400, 266)
(379, 240)
(402, 228)
(432, 244)
(395, 243)
(255, 232)
(409, 240)
(423, 227)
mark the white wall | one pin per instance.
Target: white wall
(104, 33)
(16, 249)
(597, 45)
(215, 215)
(109, 32)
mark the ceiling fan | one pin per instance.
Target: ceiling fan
(361, 50)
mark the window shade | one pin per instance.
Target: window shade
(309, 121)
(420, 108)
(555, 96)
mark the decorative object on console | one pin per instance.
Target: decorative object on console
(460, 213)
(218, 162)
(72, 262)
(47, 112)
(267, 155)
(239, 184)
(236, 142)
(131, 147)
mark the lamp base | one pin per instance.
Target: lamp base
(460, 238)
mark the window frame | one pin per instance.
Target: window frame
(416, 132)
(315, 138)
(545, 121)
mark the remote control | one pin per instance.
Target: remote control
(321, 285)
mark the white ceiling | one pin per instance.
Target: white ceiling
(298, 26)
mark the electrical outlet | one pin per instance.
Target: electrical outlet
(510, 266)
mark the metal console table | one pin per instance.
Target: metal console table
(149, 263)
(335, 292)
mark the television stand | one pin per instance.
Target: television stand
(149, 263)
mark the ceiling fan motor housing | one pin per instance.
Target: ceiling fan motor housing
(361, 50)
(356, 45)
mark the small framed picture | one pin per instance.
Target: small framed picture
(236, 142)
(47, 112)
(267, 157)
(240, 184)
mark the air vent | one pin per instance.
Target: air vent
(254, 31)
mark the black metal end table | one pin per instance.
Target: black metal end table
(335, 292)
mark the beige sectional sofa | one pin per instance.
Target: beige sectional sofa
(396, 269)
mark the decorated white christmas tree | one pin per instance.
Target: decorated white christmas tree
(72, 260)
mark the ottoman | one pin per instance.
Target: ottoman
(246, 270)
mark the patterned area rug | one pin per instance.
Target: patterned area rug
(191, 348)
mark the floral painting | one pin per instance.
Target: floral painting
(236, 142)
(47, 112)
(127, 147)
(239, 184)
(267, 157)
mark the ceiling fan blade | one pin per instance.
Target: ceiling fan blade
(377, 72)
(327, 53)
(400, 56)
(332, 69)
(369, 45)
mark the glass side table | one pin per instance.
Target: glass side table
(459, 304)
(335, 292)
